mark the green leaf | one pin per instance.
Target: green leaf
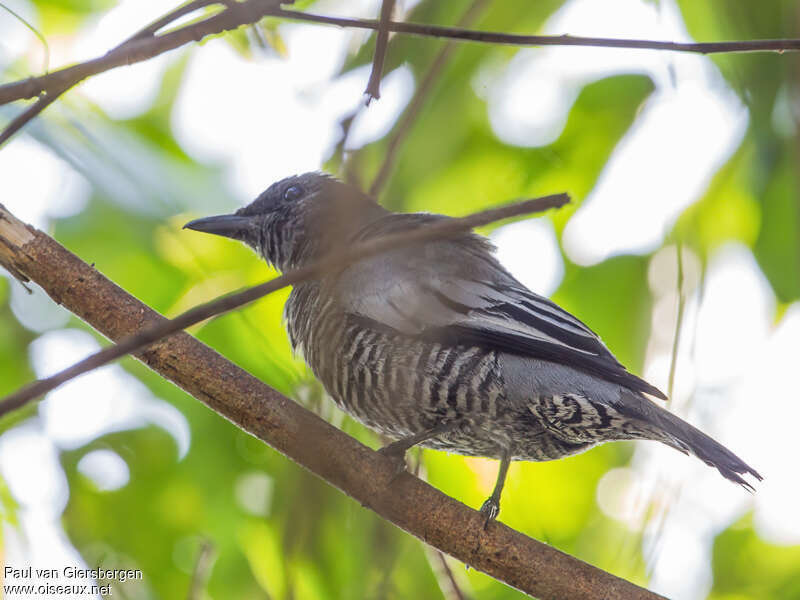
(728, 211)
(777, 248)
(747, 567)
(618, 313)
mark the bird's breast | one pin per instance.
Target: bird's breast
(396, 384)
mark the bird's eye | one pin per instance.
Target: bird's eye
(292, 193)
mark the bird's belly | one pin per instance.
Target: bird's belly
(521, 439)
(403, 386)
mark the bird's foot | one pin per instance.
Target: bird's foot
(397, 454)
(490, 509)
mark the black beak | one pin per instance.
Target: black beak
(232, 226)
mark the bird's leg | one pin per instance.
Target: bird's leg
(396, 451)
(491, 508)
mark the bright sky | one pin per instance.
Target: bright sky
(285, 121)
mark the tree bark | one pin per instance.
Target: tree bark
(358, 471)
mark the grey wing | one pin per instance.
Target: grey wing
(455, 292)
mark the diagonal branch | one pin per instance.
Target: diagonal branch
(342, 461)
(337, 260)
(143, 45)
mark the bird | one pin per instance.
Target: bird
(438, 345)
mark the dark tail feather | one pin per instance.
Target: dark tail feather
(682, 436)
(716, 455)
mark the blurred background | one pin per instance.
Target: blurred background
(681, 249)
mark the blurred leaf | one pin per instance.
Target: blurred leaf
(239, 40)
(180, 504)
(756, 77)
(480, 171)
(618, 313)
(777, 248)
(8, 506)
(14, 340)
(273, 37)
(729, 210)
(262, 549)
(61, 16)
(418, 52)
(120, 245)
(748, 567)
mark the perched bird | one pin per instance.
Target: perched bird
(439, 345)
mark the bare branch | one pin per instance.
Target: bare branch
(513, 39)
(676, 340)
(201, 571)
(34, 31)
(342, 461)
(248, 12)
(229, 302)
(45, 100)
(382, 39)
(142, 46)
(418, 101)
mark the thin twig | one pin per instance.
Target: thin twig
(381, 41)
(513, 39)
(418, 101)
(202, 568)
(673, 363)
(339, 157)
(452, 591)
(669, 493)
(229, 302)
(35, 31)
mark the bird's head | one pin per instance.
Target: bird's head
(296, 219)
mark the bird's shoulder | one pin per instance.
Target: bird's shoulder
(414, 287)
(466, 243)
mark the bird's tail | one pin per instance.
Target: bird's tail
(690, 440)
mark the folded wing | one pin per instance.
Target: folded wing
(455, 292)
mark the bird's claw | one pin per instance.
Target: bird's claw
(490, 509)
(398, 458)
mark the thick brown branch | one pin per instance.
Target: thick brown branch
(227, 303)
(363, 474)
